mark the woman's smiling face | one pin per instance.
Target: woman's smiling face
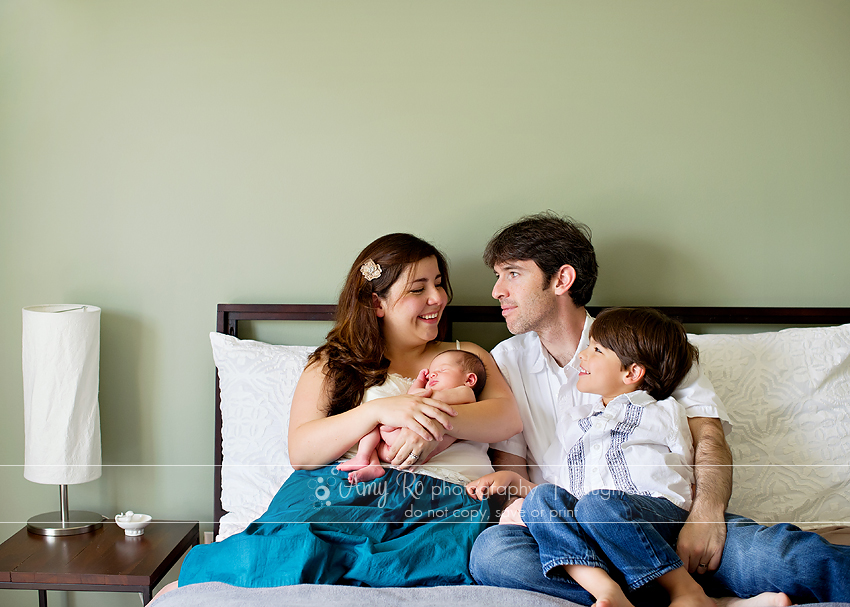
(415, 303)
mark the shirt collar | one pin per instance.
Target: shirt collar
(539, 362)
(583, 342)
(639, 398)
(543, 357)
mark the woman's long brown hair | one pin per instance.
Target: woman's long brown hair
(354, 352)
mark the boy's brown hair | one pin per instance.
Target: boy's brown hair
(650, 339)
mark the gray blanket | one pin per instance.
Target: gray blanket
(215, 594)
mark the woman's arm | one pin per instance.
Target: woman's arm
(462, 395)
(494, 417)
(316, 439)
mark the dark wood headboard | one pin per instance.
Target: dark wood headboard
(229, 315)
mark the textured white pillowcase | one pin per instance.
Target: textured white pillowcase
(788, 396)
(787, 393)
(257, 381)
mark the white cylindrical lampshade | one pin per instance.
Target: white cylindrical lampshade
(61, 358)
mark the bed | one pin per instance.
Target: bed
(784, 472)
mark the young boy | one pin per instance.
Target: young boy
(624, 489)
(455, 377)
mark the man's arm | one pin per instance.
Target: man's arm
(508, 461)
(702, 537)
(503, 460)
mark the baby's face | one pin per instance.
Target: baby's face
(446, 372)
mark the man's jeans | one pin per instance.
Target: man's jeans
(756, 559)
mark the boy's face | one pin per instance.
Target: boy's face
(446, 372)
(602, 372)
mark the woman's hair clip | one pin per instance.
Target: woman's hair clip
(370, 270)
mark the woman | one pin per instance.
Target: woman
(404, 528)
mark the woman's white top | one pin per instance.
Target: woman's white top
(460, 463)
(636, 444)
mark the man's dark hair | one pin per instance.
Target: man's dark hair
(550, 241)
(651, 339)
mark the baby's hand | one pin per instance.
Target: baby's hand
(420, 381)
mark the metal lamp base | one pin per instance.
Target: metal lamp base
(77, 521)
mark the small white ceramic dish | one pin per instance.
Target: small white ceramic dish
(132, 523)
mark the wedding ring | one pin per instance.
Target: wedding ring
(702, 566)
(414, 456)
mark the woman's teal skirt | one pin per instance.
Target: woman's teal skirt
(401, 529)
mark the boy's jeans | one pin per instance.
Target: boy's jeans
(629, 536)
(756, 559)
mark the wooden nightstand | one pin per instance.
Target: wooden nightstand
(104, 560)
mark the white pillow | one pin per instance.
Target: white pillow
(788, 396)
(257, 381)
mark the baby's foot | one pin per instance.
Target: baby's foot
(765, 599)
(355, 463)
(366, 474)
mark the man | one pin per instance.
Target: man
(546, 269)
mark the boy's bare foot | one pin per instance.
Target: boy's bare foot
(598, 583)
(617, 599)
(684, 591)
(697, 599)
(512, 514)
(765, 599)
(366, 474)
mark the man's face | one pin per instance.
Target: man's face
(528, 303)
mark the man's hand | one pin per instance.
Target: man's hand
(700, 545)
(701, 540)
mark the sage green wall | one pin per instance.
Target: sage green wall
(160, 157)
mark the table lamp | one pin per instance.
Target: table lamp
(61, 357)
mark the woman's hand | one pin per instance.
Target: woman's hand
(424, 416)
(408, 449)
